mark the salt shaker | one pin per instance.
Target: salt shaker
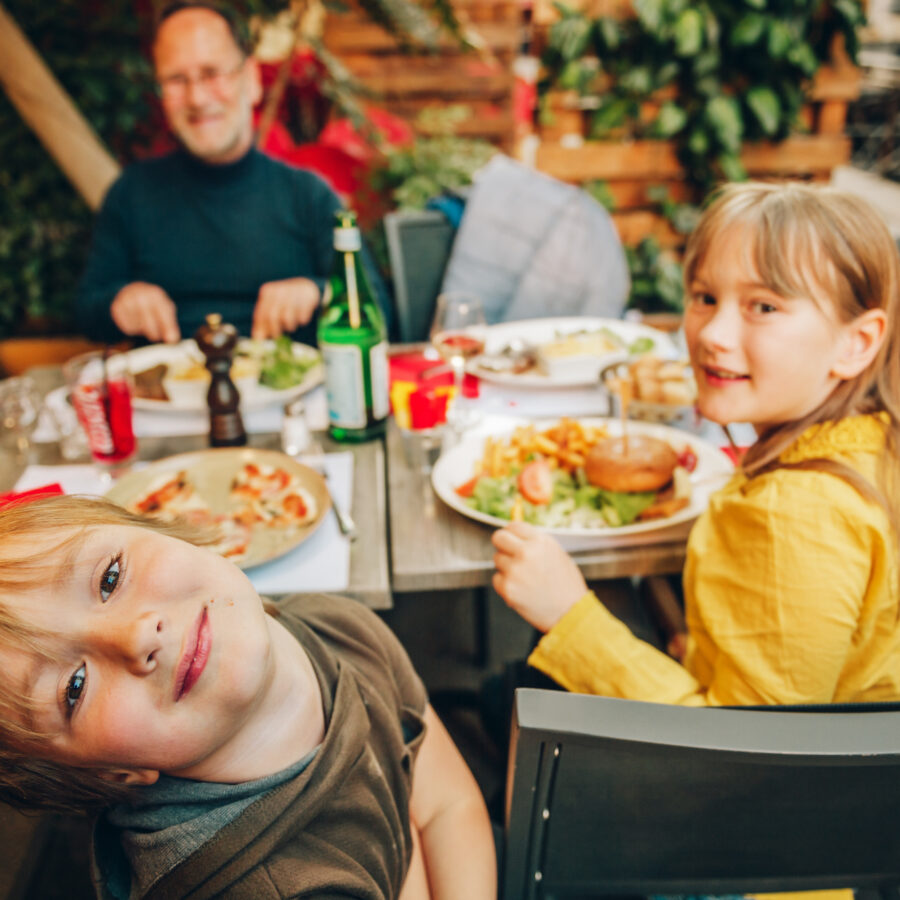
(295, 435)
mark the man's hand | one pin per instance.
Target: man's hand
(142, 308)
(283, 306)
(535, 576)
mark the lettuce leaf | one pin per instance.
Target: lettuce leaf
(623, 508)
(575, 502)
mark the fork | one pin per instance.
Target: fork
(316, 461)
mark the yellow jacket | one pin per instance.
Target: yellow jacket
(791, 595)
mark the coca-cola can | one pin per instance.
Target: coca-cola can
(101, 388)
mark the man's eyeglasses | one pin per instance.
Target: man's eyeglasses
(214, 80)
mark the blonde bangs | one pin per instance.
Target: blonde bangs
(805, 241)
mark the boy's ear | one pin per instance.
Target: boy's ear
(130, 776)
(862, 341)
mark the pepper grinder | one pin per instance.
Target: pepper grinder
(217, 340)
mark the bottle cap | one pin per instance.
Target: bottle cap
(346, 233)
(347, 239)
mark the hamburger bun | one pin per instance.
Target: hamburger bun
(643, 464)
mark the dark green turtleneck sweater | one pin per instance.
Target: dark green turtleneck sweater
(209, 236)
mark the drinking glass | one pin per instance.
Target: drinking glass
(73, 443)
(458, 333)
(20, 407)
(100, 386)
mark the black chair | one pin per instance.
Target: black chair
(419, 244)
(619, 797)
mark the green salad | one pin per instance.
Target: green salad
(574, 503)
(638, 346)
(280, 367)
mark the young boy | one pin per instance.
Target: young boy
(229, 751)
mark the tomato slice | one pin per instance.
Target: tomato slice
(536, 482)
(468, 488)
(687, 459)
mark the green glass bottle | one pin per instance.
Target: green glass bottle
(353, 341)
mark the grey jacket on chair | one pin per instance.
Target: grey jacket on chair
(532, 246)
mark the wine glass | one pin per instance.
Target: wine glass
(20, 407)
(457, 333)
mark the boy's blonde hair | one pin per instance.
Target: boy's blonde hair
(817, 242)
(28, 781)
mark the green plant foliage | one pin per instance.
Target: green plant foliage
(681, 216)
(437, 162)
(600, 191)
(739, 68)
(656, 279)
(656, 276)
(44, 224)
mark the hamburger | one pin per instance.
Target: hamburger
(639, 464)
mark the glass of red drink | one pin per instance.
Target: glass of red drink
(100, 386)
(457, 333)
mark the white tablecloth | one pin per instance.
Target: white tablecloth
(149, 423)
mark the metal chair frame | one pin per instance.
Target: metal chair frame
(609, 796)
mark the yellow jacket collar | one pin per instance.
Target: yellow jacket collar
(854, 434)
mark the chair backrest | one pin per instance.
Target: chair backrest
(612, 796)
(419, 245)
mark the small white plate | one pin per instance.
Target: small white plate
(253, 395)
(714, 468)
(538, 331)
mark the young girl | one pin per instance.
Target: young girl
(791, 578)
(229, 752)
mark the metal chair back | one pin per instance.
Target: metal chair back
(610, 796)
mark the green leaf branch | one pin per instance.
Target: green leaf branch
(736, 69)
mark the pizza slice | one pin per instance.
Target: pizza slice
(272, 497)
(169, 495)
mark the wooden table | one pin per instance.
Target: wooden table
(435, 548)
(369, 580)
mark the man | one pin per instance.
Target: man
(215, 226)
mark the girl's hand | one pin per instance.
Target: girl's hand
(535, 576)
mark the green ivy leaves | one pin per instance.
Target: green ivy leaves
(688, 33)
(671, 119)
(656, 280)
(45, 226)
(739, 66)
(765, 105)
(432, 165)
(724, 117)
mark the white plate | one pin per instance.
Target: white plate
(457, 465)
(253, 396)
(538, 331)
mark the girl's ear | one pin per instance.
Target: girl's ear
(130, 776)
(862, 340)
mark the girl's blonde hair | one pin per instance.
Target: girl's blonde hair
(814, 241)
(28, 781)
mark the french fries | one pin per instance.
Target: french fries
(564, 446)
